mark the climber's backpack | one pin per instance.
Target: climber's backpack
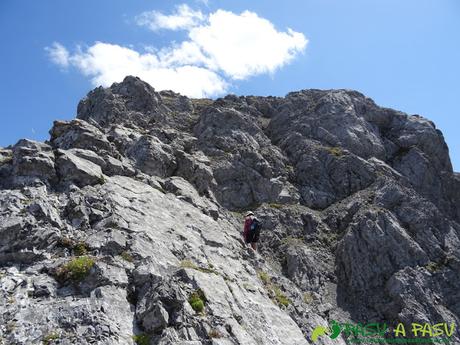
(255, 225)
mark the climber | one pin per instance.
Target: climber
(251, 230)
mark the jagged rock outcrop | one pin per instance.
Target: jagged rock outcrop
(125, 226)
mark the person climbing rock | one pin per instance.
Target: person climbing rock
(251, 230)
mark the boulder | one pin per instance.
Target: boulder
(33, 161)
(79, 171)
(152, 156)
(79, 134)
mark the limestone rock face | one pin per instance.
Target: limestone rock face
(78, 170)
(31, 163)
(112, 230)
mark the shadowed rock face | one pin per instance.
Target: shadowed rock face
(359, 205)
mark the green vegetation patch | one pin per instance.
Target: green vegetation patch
(76, 269)
(102, 179)
(263, 276)
(197, 300)
(127, 256)
(188, 264)
(141, 339)
(335, 151)
(434, 267)
(280, 297)
(202, 102)
(192, 265)
(328, 238)
(292, 241)
(50, 337)
(80, 248)
(237, 214)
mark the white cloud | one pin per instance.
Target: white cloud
(107, 63)
(183, 18)
(221, 47)
(244, 45)
(58, 54)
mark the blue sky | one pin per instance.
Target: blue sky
(403, 54)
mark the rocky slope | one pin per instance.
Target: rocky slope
(131, 214)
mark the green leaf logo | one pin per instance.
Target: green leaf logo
(319, 331)
(335, 330)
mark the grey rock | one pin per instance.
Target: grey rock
(388, 249)
(114, 166)
(102, 274)
(146, 272)
(196, 169)
(107, 106)
(306, 266)
(44, 286)
(156, 319)
(331, 117)
(184, 190)
(32, 161)
(79, 134)
(89, 156)
(152, 156)
(359, 206)
(78, 170)
(109, 241)
(245, 163)
(288, 195)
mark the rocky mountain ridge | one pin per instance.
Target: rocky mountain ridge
(125, 226)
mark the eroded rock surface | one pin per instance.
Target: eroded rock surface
(111, 229)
